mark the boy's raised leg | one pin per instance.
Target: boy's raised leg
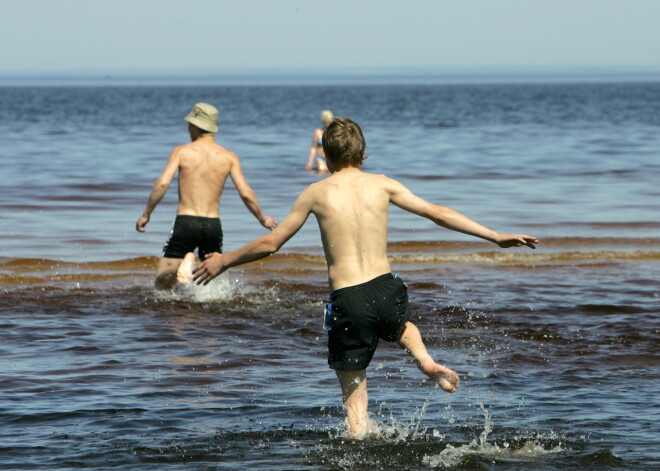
(411, 340)
(355, 398)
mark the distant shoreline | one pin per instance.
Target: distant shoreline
(321, 78)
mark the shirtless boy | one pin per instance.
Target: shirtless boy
(203, 167)
(367, 301)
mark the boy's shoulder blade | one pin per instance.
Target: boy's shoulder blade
(312, 187)
(377, 178)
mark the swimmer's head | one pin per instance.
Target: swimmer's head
(343, 144)
(326, 117)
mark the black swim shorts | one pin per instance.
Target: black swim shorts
(358, 316)
(194, 232)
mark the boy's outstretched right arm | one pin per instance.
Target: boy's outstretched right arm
(451, 219)
(217, 263)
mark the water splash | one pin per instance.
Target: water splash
(222, 288)
(393, 430)
(453, 456)
(417, 418)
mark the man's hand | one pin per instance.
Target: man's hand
(208, 269)
(269, 223)
(141, 223)
(516, 240)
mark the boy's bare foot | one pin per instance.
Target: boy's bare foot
(184, 273)
(445, 378)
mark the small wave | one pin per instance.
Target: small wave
(611, 225)
(305, 265)
(600, 458)
(649, 360)
(103, 187)
(58, 278)
(441, 125)
(50, 200)
(609, 309)
(427, 178)
(142, 263)
(89, 242)
(32, 271)
(266, 143)
(454, 456)
(44, 264)
(54, 417)
(568, 242)
(436, 252)
(511, 258)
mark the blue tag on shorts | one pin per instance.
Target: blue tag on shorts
(327, 319)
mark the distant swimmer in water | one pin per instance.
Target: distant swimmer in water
(316, 152)
(203, 167)
(367, 301)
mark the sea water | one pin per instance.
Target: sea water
(557, 348)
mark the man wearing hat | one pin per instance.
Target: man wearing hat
(203, 167)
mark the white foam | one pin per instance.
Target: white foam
(452, 456)
(226, 287)
(223, 288)
(395, 431)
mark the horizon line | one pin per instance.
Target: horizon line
(301, 76)
(518, 69)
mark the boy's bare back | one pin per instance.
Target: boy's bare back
(352, 211)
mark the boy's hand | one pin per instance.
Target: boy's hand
(516, 240)
(208, 269)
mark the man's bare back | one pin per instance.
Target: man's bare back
(203, 167)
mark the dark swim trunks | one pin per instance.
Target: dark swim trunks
(358, 316)
(194, 232)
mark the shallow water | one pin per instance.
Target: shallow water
(557, 348)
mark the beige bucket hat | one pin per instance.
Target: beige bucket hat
(204, 116)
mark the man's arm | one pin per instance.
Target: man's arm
(159, 189)
(248, 195)
(447, 217)
(264, 246)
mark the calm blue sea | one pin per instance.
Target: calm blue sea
(557, 348)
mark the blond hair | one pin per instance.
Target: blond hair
(326, 115)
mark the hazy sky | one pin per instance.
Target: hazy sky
(188, 36)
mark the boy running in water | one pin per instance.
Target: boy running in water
(368, 303)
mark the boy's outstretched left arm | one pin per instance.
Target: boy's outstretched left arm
(451, 219)
(262, 247)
